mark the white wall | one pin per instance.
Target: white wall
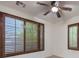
(48, 35)
(61, 39)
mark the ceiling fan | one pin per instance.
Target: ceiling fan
(55, 7)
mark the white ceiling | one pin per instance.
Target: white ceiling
(37, 10)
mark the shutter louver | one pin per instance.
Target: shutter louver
(31, 36)
(14, 35)
(9, 35)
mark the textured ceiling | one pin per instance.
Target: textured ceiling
(37, 10)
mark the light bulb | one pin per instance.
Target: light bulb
(54, 9)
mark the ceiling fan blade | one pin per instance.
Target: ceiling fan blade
(42, 4)
(53, 3)
(47, 12)
(66, 8)
(58, 14)
(19, 3)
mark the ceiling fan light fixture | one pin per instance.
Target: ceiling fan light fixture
(54, 9)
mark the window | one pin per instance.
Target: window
(14, 35)
(31, 36)
(19, 35)
(41, 37)
(73, 38)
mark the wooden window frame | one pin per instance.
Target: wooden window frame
(71, 25)
(2, 37)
